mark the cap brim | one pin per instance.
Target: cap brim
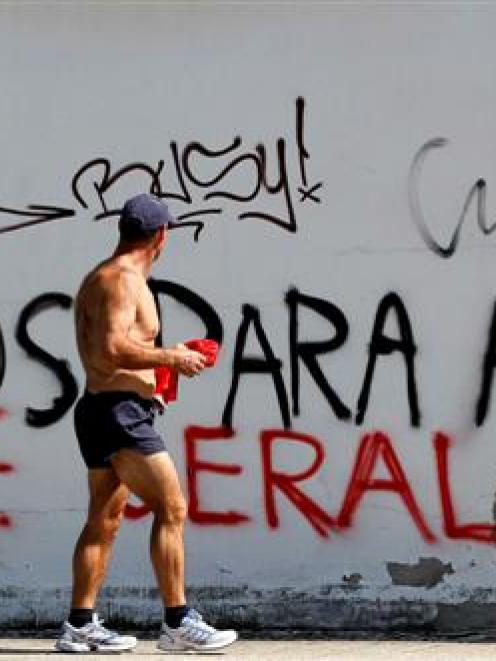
(170, 220)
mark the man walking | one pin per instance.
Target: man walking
(116, 327)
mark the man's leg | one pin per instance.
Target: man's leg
(108, 497)
(83, 632)
(154, 479)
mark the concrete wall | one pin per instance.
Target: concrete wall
(336, 159)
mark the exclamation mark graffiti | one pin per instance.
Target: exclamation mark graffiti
(306, 191)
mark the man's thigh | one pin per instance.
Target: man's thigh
(108, 494)
(152, 477)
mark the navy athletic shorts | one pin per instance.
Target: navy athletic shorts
(106, 422)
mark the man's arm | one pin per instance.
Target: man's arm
(117, 317)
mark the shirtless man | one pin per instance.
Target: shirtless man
(116, 325)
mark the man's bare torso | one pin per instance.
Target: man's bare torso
(95, 310)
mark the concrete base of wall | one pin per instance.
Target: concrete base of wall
(327, 609)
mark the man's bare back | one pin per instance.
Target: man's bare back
(116, 326)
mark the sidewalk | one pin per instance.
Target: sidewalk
(28, 648)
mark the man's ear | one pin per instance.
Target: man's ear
(161, 234)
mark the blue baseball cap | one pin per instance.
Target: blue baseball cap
(143, 214)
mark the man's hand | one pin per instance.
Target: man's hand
(190, 363)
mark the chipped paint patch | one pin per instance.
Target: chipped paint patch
(427, 572)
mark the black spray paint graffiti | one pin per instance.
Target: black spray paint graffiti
(60, 368)
(302, 353)
(476, 194)
(307, 352)
(265, 363)
(3, 359)
(380, 345)
(198, 305)
(488, 374)
(94, 182)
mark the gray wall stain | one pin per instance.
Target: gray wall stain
(427, 572)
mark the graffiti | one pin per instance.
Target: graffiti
(5, 520)
(476, 195)
(38, 213)
(195, 303)
(374, 447)
(60, 368)
(383, 345)
(479, 532)
(243, 366)
(269, 364)
(3, 362)
(301, 352)
(5, 469)
(307, 351)
(276, 479)
(136, 512)
(192, 436)
(371, 447)
(95, 181)
(487, 374)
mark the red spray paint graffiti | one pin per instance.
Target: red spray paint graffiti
(479, 532)
(371, 447)
(135, 512)
(193, 435)
(315, 515)
(5, 469)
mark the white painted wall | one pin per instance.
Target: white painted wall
(81, 81)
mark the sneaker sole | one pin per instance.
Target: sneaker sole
(72, 648)
(83, 648)
(193, 647)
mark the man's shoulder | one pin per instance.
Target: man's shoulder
(109, 280)
(112, 274)
(119, 281)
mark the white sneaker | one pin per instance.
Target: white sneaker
(194, 634)
(93, 637)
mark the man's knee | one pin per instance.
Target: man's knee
(104, 526)
(172, 513)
